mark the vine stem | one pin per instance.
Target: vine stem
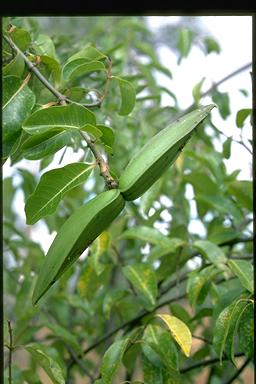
(10, 352)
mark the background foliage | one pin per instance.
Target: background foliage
(98, 322)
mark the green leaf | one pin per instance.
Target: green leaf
(227, 148)
(89, 52)
(244, 271)
(179, 311)
(21, 38)
(14, 67)
(196, 91)
(52, 187)
(29, 182)
(17, 106)
(226, 327)
(128, 96)
(143, 279)
(179, 331)
(241, 116)
(156, 373)
(53, 66)
(211, 252)
(201, 182)
(152, 236)
(79, 67)
(211, 45)
(67, 117)
(111, 299)
(45, 144)
(108, 137)
(91, 129)
(222, 101)
(242, 190)
(222, 204)
(98, 248)
(246, 331)
(196, 281)
(184, 42)
(151, 195)
(65, 335)
(43, 46)
(51, 367)
(160, 341)
(112, 359)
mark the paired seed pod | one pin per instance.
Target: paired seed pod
(76, 234)
(158, 154)
(87, 222)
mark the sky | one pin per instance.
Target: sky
(234, 34)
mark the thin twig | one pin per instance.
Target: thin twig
(110, 182)
(61, 98)
(10, 352)
(33, 69)
(205, 363)
(80, 363)
(216, 85)
(238, 372)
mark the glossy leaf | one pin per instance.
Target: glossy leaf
(179, 331)
(112, 360)
(79, 67)
(211, 45)
(242, 190)
(226, 328)
(51, 367)
(222, 204)
(196, 281)
(89, 52)
(227, 148)
(151, 195)
(17, 106)
(15, 67)
(246, 331)
(21, 38)
(52, 187)
(196, 91)
(65, 335)
(157, 373)
(69, 117)
(53, 66)
(241, 116)
(143, 280)
(108, 137)
(111, 300)
(152, 236)
(244, 271)
(211, 252)
(98, 248)
(184, 42)
(161, 342)
(222, 101)
(43, 46)
(128, 96)
(45, 144)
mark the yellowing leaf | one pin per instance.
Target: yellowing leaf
(179, 331)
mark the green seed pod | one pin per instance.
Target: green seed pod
(158, 154)
(76, 234)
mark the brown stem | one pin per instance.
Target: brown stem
(110, 182)
(238, 372)
(10, 352)
(205, 363)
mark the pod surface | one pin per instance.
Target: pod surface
(159, 153)
(75, 235)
